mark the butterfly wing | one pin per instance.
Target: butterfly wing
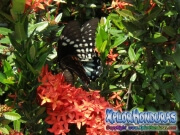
(73, 64)
(69, 40)
(76, 47)
(91, 61)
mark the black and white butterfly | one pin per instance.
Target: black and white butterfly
(76, 51)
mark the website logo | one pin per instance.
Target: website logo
(140, 121)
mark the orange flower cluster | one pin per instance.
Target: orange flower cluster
(111, 58)
(66, 105)
(117, 4)
(13, 132)
(37, 4)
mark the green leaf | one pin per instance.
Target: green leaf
(158, 2)
(139, 68)
(2, 76)
(17, 8)
(160, 39)
(155, 85)
(7, 69)
(20, 33)
(11, 116)
(5, 40)
(137, 99)
(160, 73)
(7, 16)
(139, 107)
(5, 80)
(5, 31)
(41, 62)
(169, 31)
(16, 125)
(99, 41)
(121, 67)
(32, 52)
(151, 108)
(131, 53)
(15, 44)
(176, 56)
(58, 18)
(126, 13)
(41, 111)
(177, 95)
(31, 68)
(138, 53)
(38, 26)
(103, 46)
(148, 98)
(133, 77)
(4, 130)
(19, 60)
(153, 14)
(119, 40)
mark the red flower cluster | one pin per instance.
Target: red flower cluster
(37, 4)
(66, 105)
(13, 132)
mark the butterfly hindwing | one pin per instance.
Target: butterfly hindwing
(72, 63)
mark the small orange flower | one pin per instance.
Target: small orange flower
(111, 57)
(152, 6)
(116, 95)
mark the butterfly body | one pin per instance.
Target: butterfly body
(76, 48)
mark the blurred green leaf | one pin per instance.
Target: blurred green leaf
(131, 53)
(11, 116)
(4, 130)
(32, 52)
(17, 8)
(126, 13)
(133, 77)
(155, 85)
(119, 40)
(58, 18)
(5, 31)
(138, 53)
(41, 62)
(121, 67)
(176, 55)
(8, 69)
(177, 94)
(159, 39)
(137, 99)
(148, 98)
(169, 31)
(33, 70)
(20, 33)
(5, 40)
(5, 80)
(153, 14)
(16, 125)
(39, 27)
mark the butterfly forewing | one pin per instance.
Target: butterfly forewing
(77, 44)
